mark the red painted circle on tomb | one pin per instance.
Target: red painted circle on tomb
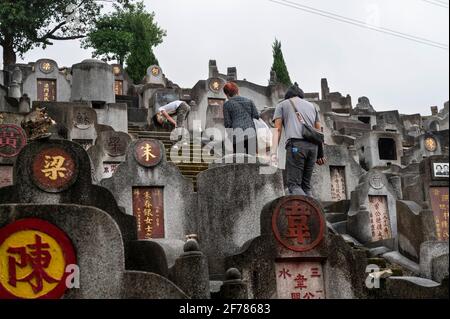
(54, 170)
(41, 254)
(148, 153)
(298, 223)
(12, 140)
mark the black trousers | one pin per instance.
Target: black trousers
(301, 157)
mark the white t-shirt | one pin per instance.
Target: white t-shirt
(171, 108)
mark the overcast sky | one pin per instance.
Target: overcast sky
(394, 73)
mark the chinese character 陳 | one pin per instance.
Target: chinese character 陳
(38, 258)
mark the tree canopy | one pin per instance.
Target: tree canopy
(127, 35)
(25, 24)
(279, 65)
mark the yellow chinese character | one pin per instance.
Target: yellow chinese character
(147, 152)
(148, 213)
(148, 205)
(136, 192)
(53, 167)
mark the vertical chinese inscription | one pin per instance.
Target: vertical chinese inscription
(148, 208)
(379, 218)
(300, 280)
(6, 174)
(46, 90)
(439, 204)
(118, 87)
(338, 184)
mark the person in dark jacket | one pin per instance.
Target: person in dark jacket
(239, 113)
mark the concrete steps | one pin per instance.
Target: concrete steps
(190, 166)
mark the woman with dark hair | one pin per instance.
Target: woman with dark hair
(239, 113)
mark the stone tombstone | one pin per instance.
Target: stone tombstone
(416, 225)
(154, 191)
(307, 263)
(155, 76)
(335, 180)
(82, 130)
(46, 83)
(59, 172)
(93, 80)
(432, 187)
(78, 242)
(230, 199)
(108, 153)
(148, 208)
(372, 216)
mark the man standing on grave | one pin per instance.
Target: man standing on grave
(301, 155)
(177, 108)
(239, 113)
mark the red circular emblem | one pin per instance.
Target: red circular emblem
(54, 170)
(12, 140)
(148, 153)
(298, 223)
(34, 256)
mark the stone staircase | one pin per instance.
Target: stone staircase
(189, 167)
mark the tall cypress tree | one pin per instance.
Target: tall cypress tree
(279, 65)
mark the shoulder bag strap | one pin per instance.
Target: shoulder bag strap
(299, 116)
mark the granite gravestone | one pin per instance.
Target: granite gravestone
(82, 246)
(230, 199)
(296, 257)
(154, 191)
(59, 172)
(108, 153)
(372, 216)
(431, 186)
(338, 178)
(46, 83)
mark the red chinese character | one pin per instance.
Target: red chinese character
(284, 273)
(301, 282)
(8, 139)
(315, 273)
(308, 295)
(296, 295)
(38, 258)
(298, 223)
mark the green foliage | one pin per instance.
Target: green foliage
(127, 35)
(25, 24)
(279, 65)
